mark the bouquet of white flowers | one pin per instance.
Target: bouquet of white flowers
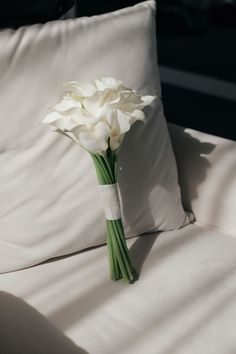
(97, 116)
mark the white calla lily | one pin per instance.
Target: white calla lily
(97, 116)
(95, 139)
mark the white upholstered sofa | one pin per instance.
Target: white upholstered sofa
(184, 301)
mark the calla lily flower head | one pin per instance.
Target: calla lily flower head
(97, 116)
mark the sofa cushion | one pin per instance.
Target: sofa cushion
(184, 301)
(207, 176)
(50, 201)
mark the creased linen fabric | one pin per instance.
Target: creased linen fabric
(184, 301)
(49, 196)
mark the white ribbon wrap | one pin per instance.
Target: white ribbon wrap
(111, 203)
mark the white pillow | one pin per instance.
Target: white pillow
(49, 195)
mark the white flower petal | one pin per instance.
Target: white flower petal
(115, 142)
(112, 120)
(66, 105)
(93, 104)
(100, 102)
(110, 116)
(137, 115)
(148, 99)
(52, 117)
(123, 121)
(108, 83)
(80, 88)
(89, 143)
(65, 124)
(102, 130)
(134, 101)
(84, 118)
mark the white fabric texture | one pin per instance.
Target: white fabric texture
(183, 303)
(207, 175)
(49, 196)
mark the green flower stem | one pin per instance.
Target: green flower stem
(120, 239)
(109, 168)
(113, 263)
(102, 175)
(118, 254)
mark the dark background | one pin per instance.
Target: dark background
(194, 37)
